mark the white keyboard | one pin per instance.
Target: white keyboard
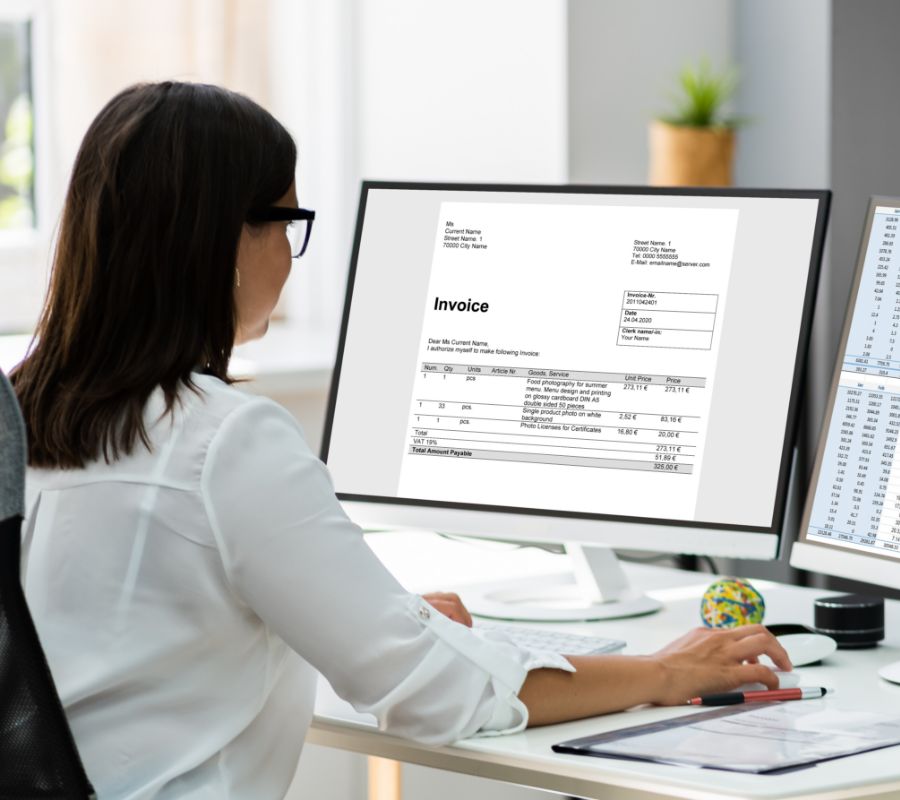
(556, 641)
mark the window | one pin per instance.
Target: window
(25, 222)
(17, 206)
(67, 59)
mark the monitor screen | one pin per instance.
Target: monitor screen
(604, 353)
(854, 504)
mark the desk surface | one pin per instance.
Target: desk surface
(425, 562)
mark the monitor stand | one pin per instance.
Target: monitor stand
(597, 588)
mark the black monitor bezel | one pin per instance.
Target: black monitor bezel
(823, 196)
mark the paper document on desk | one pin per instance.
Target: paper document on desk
(753, 738)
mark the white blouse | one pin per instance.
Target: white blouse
(186, 596)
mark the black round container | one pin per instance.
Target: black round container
(852, 620)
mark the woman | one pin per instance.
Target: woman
(185, 558)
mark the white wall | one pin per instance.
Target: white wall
(462, 91)
(783, 50)
(622, 61)
(398, 89)
(313, 57)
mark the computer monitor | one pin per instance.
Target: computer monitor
(597, 366)
(851, 522)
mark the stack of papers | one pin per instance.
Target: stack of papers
(757, 737)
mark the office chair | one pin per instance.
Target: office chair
(38, 758)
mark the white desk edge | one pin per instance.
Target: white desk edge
(527, 759)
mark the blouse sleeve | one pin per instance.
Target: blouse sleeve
(293, 556)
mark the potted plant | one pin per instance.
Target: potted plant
(694, 146)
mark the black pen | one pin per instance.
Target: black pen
(735, 698)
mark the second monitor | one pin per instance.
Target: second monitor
(600, 366)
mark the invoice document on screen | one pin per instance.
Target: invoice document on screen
(568, 356)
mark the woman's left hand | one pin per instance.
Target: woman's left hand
(450, 605)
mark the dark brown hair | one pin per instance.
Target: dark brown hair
(142, 284)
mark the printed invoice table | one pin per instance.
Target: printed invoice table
(527, 759)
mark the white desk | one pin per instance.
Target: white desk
(422, 562)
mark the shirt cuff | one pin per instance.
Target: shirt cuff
(510, 714)
(507, 664)
(531, 659)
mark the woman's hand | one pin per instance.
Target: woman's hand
(707, 660)
(700, 662)
(451, 606)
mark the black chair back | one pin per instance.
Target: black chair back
(38, 758)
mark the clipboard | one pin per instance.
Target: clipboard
(756, 738)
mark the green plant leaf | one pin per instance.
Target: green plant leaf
(701, 96)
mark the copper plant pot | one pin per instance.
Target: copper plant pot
(681, 155)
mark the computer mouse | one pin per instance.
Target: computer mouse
(891, 672)
(807, 648)
(786, 680)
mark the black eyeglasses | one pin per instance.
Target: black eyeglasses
(299, 229)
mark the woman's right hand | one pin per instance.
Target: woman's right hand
(707, 660)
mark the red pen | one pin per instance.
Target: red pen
(734, 698)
